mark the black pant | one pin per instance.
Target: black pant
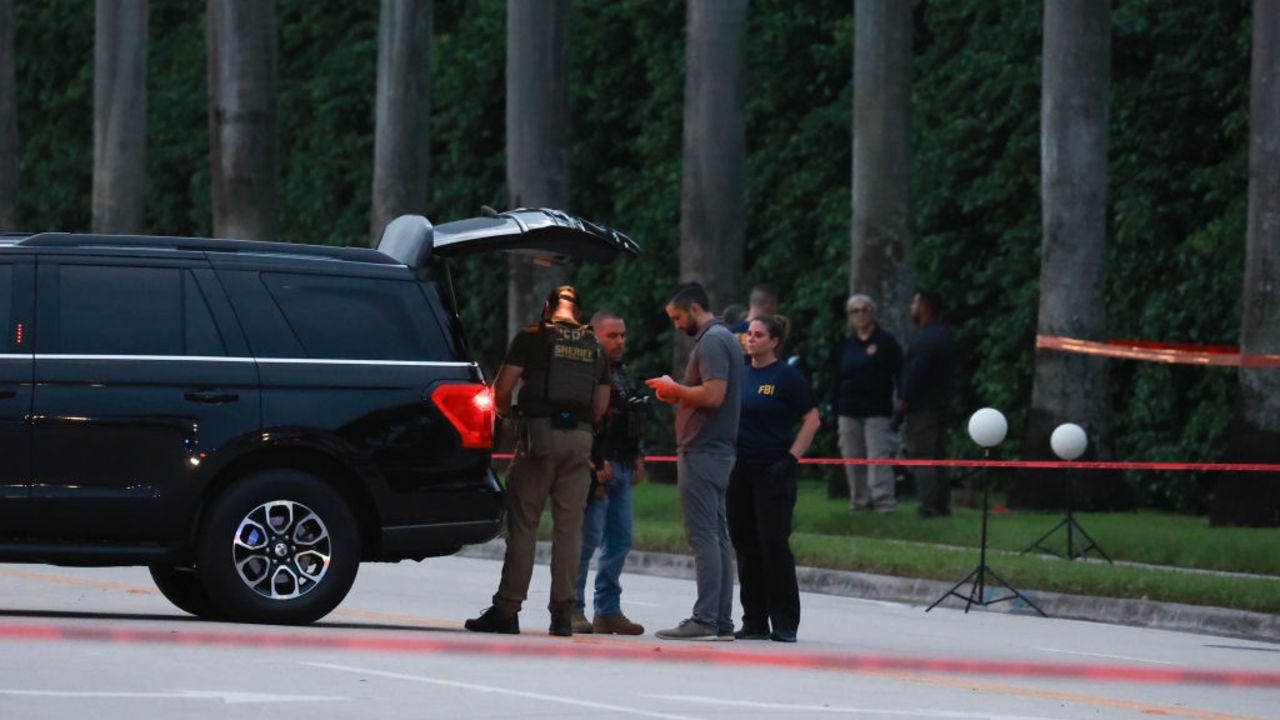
(925, 435)
(759, 507)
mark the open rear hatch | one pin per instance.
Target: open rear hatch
(544, 235)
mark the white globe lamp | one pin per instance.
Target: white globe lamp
(988, 427)
(1069, 441)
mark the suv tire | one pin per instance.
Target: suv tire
(182, 587)
(278, 546)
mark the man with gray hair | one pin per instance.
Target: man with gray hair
(863, 372)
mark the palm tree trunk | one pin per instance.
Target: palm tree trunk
(537, 136)
(1254, 435)
(1073, 169)
(243, 140)
(119, 115)
(713, 186)
(881, 232)
(402, 138)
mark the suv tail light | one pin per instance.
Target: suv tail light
(469, 408)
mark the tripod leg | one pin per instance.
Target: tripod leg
(1093, 544)
(1037, 544)
(1015, 592)
(953, 589)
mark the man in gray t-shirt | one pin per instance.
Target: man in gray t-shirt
(707, 405)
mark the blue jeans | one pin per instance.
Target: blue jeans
(607, 525)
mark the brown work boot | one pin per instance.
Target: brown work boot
(616, 624)
(581, 625)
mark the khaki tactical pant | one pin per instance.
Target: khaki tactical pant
(553, 466)
(869, 485)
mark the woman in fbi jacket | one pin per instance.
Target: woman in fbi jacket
(762, 489)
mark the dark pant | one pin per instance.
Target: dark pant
(924, 434)
(760, 506)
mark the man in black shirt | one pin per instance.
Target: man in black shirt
(618, 461)
(928, 383)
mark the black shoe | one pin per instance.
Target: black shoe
(787, 636)
(561, 623)
(752, 633)
(493, 620)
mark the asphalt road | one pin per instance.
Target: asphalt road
(102, 643)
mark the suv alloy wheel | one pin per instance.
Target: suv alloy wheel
(278, 546)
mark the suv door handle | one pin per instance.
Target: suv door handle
(211, 396)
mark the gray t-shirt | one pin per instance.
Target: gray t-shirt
(717, 355)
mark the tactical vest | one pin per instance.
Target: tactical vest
(570, 381)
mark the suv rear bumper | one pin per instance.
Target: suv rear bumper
(415, 542)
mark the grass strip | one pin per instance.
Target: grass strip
(886, 557)
(828, 535)
(1147, 536)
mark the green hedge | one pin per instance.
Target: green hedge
(1177, 191)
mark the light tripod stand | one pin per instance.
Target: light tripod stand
(1068, 443)
(987, 427)
(1069, 522)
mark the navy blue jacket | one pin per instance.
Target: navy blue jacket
(862, 374)
(928, 379)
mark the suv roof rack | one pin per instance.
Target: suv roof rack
(60, 239)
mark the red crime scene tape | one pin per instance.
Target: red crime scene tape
(1034, 464)
(1162, 352)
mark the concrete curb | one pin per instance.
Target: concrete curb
(916, 591)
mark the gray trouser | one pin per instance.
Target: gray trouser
(555, 469)
(702, 481)
(869, 485)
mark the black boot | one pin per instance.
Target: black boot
(561, 623)
(493, 620)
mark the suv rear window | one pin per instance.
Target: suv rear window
(122, 310)
(344, 318)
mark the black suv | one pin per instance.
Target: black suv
(249, 419)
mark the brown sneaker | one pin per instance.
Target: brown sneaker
(616, 624)
(581, 625)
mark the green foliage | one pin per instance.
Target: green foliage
(177, 200)
(1178, 181)
(327, 79)
(54, 57)
(976, 191)
(468, 155)
(1179, 187)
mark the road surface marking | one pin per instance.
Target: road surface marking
(436, 643)
(76, 581)
(1144, 708)
(229, 698)
(849, 710)
(499, 691)
(1112, 657)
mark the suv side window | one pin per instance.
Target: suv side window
(123, 310)
(346, 318)
(6, 308)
